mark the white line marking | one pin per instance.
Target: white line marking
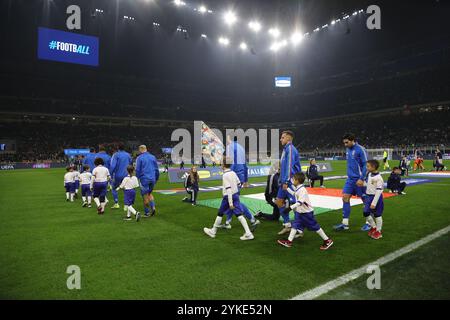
(352, 275)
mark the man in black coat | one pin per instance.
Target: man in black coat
(394, 182)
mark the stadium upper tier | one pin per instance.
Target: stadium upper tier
(406, 76)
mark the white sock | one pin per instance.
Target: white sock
(89, 200)
(345, 221)
(71, 196)
(76, 191)
(132, 210)
(103, 204)
(97, 202)
(217, 223)
(125, 208)
(379, 221)
(370, 221)
(67, 195)
(292, 234)
(322, 234)
(287, 225)
(84, 199)
(244, 224)
(128, 213)
(106, 200)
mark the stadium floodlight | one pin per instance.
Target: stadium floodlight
(224, 41)
(361, 11)
(204, 36)
(296, 38)
(316, 29)
(325, 26)
(254, 25)
(202, 9)
(179, 3)
(346, 17)
(230, 18)
(333, 22)
(156, 24)
(274, 32)
(243, 46)
(355, 13)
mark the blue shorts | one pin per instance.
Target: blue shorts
(86, 190)
(146, 186)
(116, 181)
(100, 189)
(350, 187)
(77, 184)
(128, 197)
(305, 220)
(378, 211)
(225, 206)
(70, 187)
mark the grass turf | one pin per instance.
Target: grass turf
(169, 257)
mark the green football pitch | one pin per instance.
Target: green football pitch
(169, 257)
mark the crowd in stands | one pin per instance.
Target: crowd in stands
(37, 142)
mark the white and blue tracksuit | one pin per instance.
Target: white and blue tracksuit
(119, 163)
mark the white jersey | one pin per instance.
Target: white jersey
(302, 203)
(230, 184)
(100, 174)
(129, 183)
(375, 186)
(76, 175)
(69, 177)
(86, 177)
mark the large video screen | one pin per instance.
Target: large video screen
(283, 82)
(67, 47)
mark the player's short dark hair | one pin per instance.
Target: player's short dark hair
(92, 149)
(349, 136)
(289, 133)
(86, 167)
(130, 169)
(99, 161)
(311, 160)
(68, 168)
(374, 163)
(300, 177)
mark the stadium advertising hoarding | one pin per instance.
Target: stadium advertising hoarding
(22, 165)
(75, 152)
(67, 47)
(215, 173)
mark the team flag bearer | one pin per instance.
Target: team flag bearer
(373, 203)
(230, 202)
(129, 184)
(86, 193)
(69, 184)
(99, 184)
(304, 215)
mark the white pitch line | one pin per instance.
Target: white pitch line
(352, 275)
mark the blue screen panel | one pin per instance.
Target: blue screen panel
(67, 47)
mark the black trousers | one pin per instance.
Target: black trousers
(275, 216)
(400, 187)
(194, 194)
(315, 179)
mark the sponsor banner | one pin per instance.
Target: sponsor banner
(321, 167)
(446, 156)
(15, 166)
(215, 173)
(68, 47)
(75, 152)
